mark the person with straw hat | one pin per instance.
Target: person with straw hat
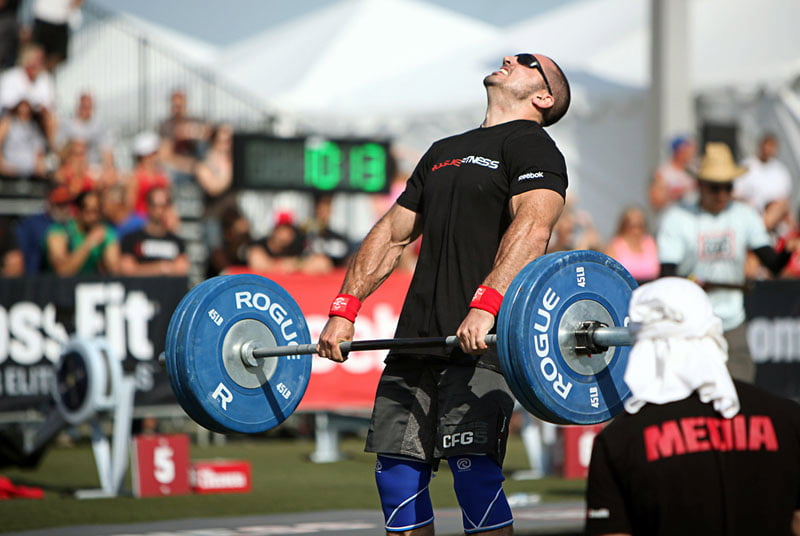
(708, 242)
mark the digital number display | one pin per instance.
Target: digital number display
(313, 163)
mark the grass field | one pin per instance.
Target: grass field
(284, 480)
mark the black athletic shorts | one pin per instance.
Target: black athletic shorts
(54, 38)
(429, 409)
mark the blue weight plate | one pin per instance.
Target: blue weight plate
(531, 395)
(172, 330)
(605, 388)
(175, 332)
(190, 403)
(511, 372)
(169, 343)
(559, 281)
(517, 361)
(231, 406)
(522, 390)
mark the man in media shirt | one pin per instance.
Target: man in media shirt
(695, 452)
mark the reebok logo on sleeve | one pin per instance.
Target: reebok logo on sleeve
(531, 176)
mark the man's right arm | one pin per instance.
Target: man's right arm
(67, 263)
(377, 256)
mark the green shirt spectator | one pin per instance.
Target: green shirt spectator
(84, 244)
(75, 239)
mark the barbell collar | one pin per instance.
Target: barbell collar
(593, 337)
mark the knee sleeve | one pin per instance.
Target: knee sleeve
(478, 482)
(403, 488)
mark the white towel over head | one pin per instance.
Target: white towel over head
(678, 348)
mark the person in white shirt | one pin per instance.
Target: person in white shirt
(87, 127)
(30, 82)
(767, 184)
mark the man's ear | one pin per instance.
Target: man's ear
(542, 99)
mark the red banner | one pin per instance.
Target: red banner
(221, 476)
(578, 442)
(351, 385)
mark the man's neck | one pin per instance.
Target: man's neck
(155, 229)
(497, 117)
(502, 110)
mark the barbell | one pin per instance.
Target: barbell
(238, 348)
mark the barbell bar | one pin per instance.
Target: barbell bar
(561, 341)
(596, 338)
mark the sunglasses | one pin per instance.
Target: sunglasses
(530, 61)
(714, 187)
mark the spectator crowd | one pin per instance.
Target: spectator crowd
(100, 217)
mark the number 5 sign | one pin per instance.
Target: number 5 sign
(160, 465)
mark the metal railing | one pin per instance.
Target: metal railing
(132, 67)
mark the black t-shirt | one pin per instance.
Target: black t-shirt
(462, 187)
(680, 468)
(328, 242)
(148, 248)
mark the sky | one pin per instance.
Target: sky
(222, 22)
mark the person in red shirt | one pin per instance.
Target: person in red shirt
(147, 173)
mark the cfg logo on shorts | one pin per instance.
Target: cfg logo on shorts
(464, 464)
(378, 466)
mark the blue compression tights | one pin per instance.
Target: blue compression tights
(478, 482)
(403, 487)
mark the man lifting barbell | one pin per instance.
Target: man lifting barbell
(236, 348)
(485, 203)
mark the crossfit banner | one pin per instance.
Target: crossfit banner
(38, 314)
(773, 335)
(351, 385)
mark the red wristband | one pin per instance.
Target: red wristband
(488, 299)
(346, 306)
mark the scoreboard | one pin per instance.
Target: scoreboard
(315, 163)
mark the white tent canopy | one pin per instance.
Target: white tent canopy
(317, 63)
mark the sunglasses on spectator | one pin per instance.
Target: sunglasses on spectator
(715, 187)
(530, 61)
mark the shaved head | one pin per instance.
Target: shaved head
(561, 91)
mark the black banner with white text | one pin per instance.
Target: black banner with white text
(38, 314)
(773, 335)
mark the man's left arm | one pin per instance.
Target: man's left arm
(533, 215)
(758, 241)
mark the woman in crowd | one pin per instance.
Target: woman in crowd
(633, 246)
(74, 171)
(215, 172)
